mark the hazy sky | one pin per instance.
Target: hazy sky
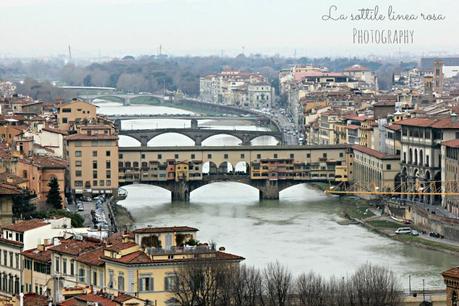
(201, 27)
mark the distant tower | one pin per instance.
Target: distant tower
(70, 54)
(438, 77)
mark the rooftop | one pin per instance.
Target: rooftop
(439, 123)
(168, 229)
(76, 247)
(452, 143)
(374, 153)
(25, 225)
(38, 255)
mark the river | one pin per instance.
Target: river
(300, 230)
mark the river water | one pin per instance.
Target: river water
(301, 230)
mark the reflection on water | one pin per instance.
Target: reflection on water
(300, 230)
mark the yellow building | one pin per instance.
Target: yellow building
(374, 170)
(36, 275)
(74, 112)
(146, 269)
(93, 162)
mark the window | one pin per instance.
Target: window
(225, 156)
(142, 156)
(72, 267)
(292, 155)
(308, 155)
(101, 183)
(108, 174)
(120, 156)
(66, 110)
(94, 278)
(77, 153)
(94, 174)
(94, 153)
(64, 120)
(108, 164)
(242, 155)
(341, 154)
(324, 155)
(160, 156)
(258, 156)
(108, 183)
(145, 282)
(110, 279)
(17, 261)
(94, 183)
(193, 156)
(56, 264)
(209, 155)
(107, 153)
(169, 282)
(78, 163)
(81, 275)
(11, 259)
(64, 265)
(5, 258)
(176, 156)
(94, 164)
(78, 183)
(120, 281)
(388, 167)
(275, 155)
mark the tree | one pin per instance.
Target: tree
(278, 284)
(54, 196)
(22, 207)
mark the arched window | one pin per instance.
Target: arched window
(121, 281)
(421, 158)
(410, 156)
(415, 156)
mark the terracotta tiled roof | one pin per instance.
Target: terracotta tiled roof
(452, 143)
(121, 298)
(54, 130)
(394, 127)
(167, 229)
(9, 178)
(139, 257)
(75, 247)
(35, 299)
(121, 246)
(91, 137)
(374, 153)
(48, 162)
(439, 123)
(352, 127)
(37, 255)
(92, 257)
(8, 189)
(453, 273)
(25, 225)
(100, 300)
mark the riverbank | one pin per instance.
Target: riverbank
(361, 212)
(123, 217)
(158, 102)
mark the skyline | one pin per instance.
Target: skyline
(113, 28)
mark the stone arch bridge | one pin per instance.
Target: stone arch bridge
(198, 135)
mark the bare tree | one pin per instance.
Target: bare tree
(374, 285)
(246, 286)
(311, 290)
(277, 285)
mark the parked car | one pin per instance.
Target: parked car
(403, 230)
(414, 233)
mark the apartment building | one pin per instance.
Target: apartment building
(74, 112)
(231, 87)
(374, 170)
(39, 170)
(93, 158)
(421, 140)
(450, 174)
(146, 268)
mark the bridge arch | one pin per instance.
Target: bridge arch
(165, 139)
(212, 140)
(225, 167)
(129, 141)
(209, 167)
(263, 140)
(242, 167)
